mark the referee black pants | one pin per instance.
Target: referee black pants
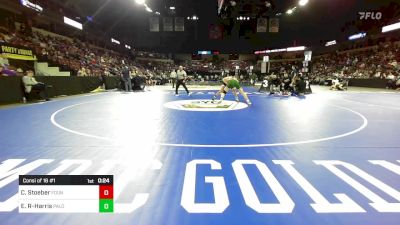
(179, 83)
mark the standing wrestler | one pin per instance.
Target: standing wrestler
(231, 83)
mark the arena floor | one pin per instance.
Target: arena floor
(327, 158)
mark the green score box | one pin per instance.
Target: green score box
(106, 206)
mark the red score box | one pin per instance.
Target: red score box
(106, 191)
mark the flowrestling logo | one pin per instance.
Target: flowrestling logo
(205, 105)
(370, 15)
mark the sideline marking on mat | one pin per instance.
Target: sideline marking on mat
(363, 125)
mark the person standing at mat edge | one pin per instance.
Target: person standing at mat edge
(126, 77)
(181, 78)
(173, 78)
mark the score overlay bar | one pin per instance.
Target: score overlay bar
(66, 194)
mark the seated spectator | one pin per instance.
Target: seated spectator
(7, 72)
(391, 84)
(20, 72)
(286, 81)
(31, 84)
(82, 72)
(45, 55)
(275, 86)
(2, 38)
(300, 86)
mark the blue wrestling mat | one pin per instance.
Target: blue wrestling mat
(330, 158)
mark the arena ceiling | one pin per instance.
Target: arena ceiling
(319, 20)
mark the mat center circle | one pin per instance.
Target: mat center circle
(205, 105)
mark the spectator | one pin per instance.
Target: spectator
(4, 71)
(82, 72)
(45, 55)
(20, 72)
(127, 78)
(173, 78)
(31, 84)
(391, 84)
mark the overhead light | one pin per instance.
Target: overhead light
(271, 51)
(188, 17)
(292, 49)
(357, 36)
(148, 9)
(31, 5)
(290, 11)
(73, 23)
(329, 43)
(391, 27)
(240, 18)
(276, 50)
(172, 8)
(140, 2)
(303, 2)
(115, 41)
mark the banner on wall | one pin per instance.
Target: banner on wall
(154, 24)
(16, 52)
(262, 25)
(168, 24)
(274, 25)
(179, 24)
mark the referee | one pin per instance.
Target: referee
(181, 78)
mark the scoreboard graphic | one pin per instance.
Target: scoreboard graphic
(65, 194)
